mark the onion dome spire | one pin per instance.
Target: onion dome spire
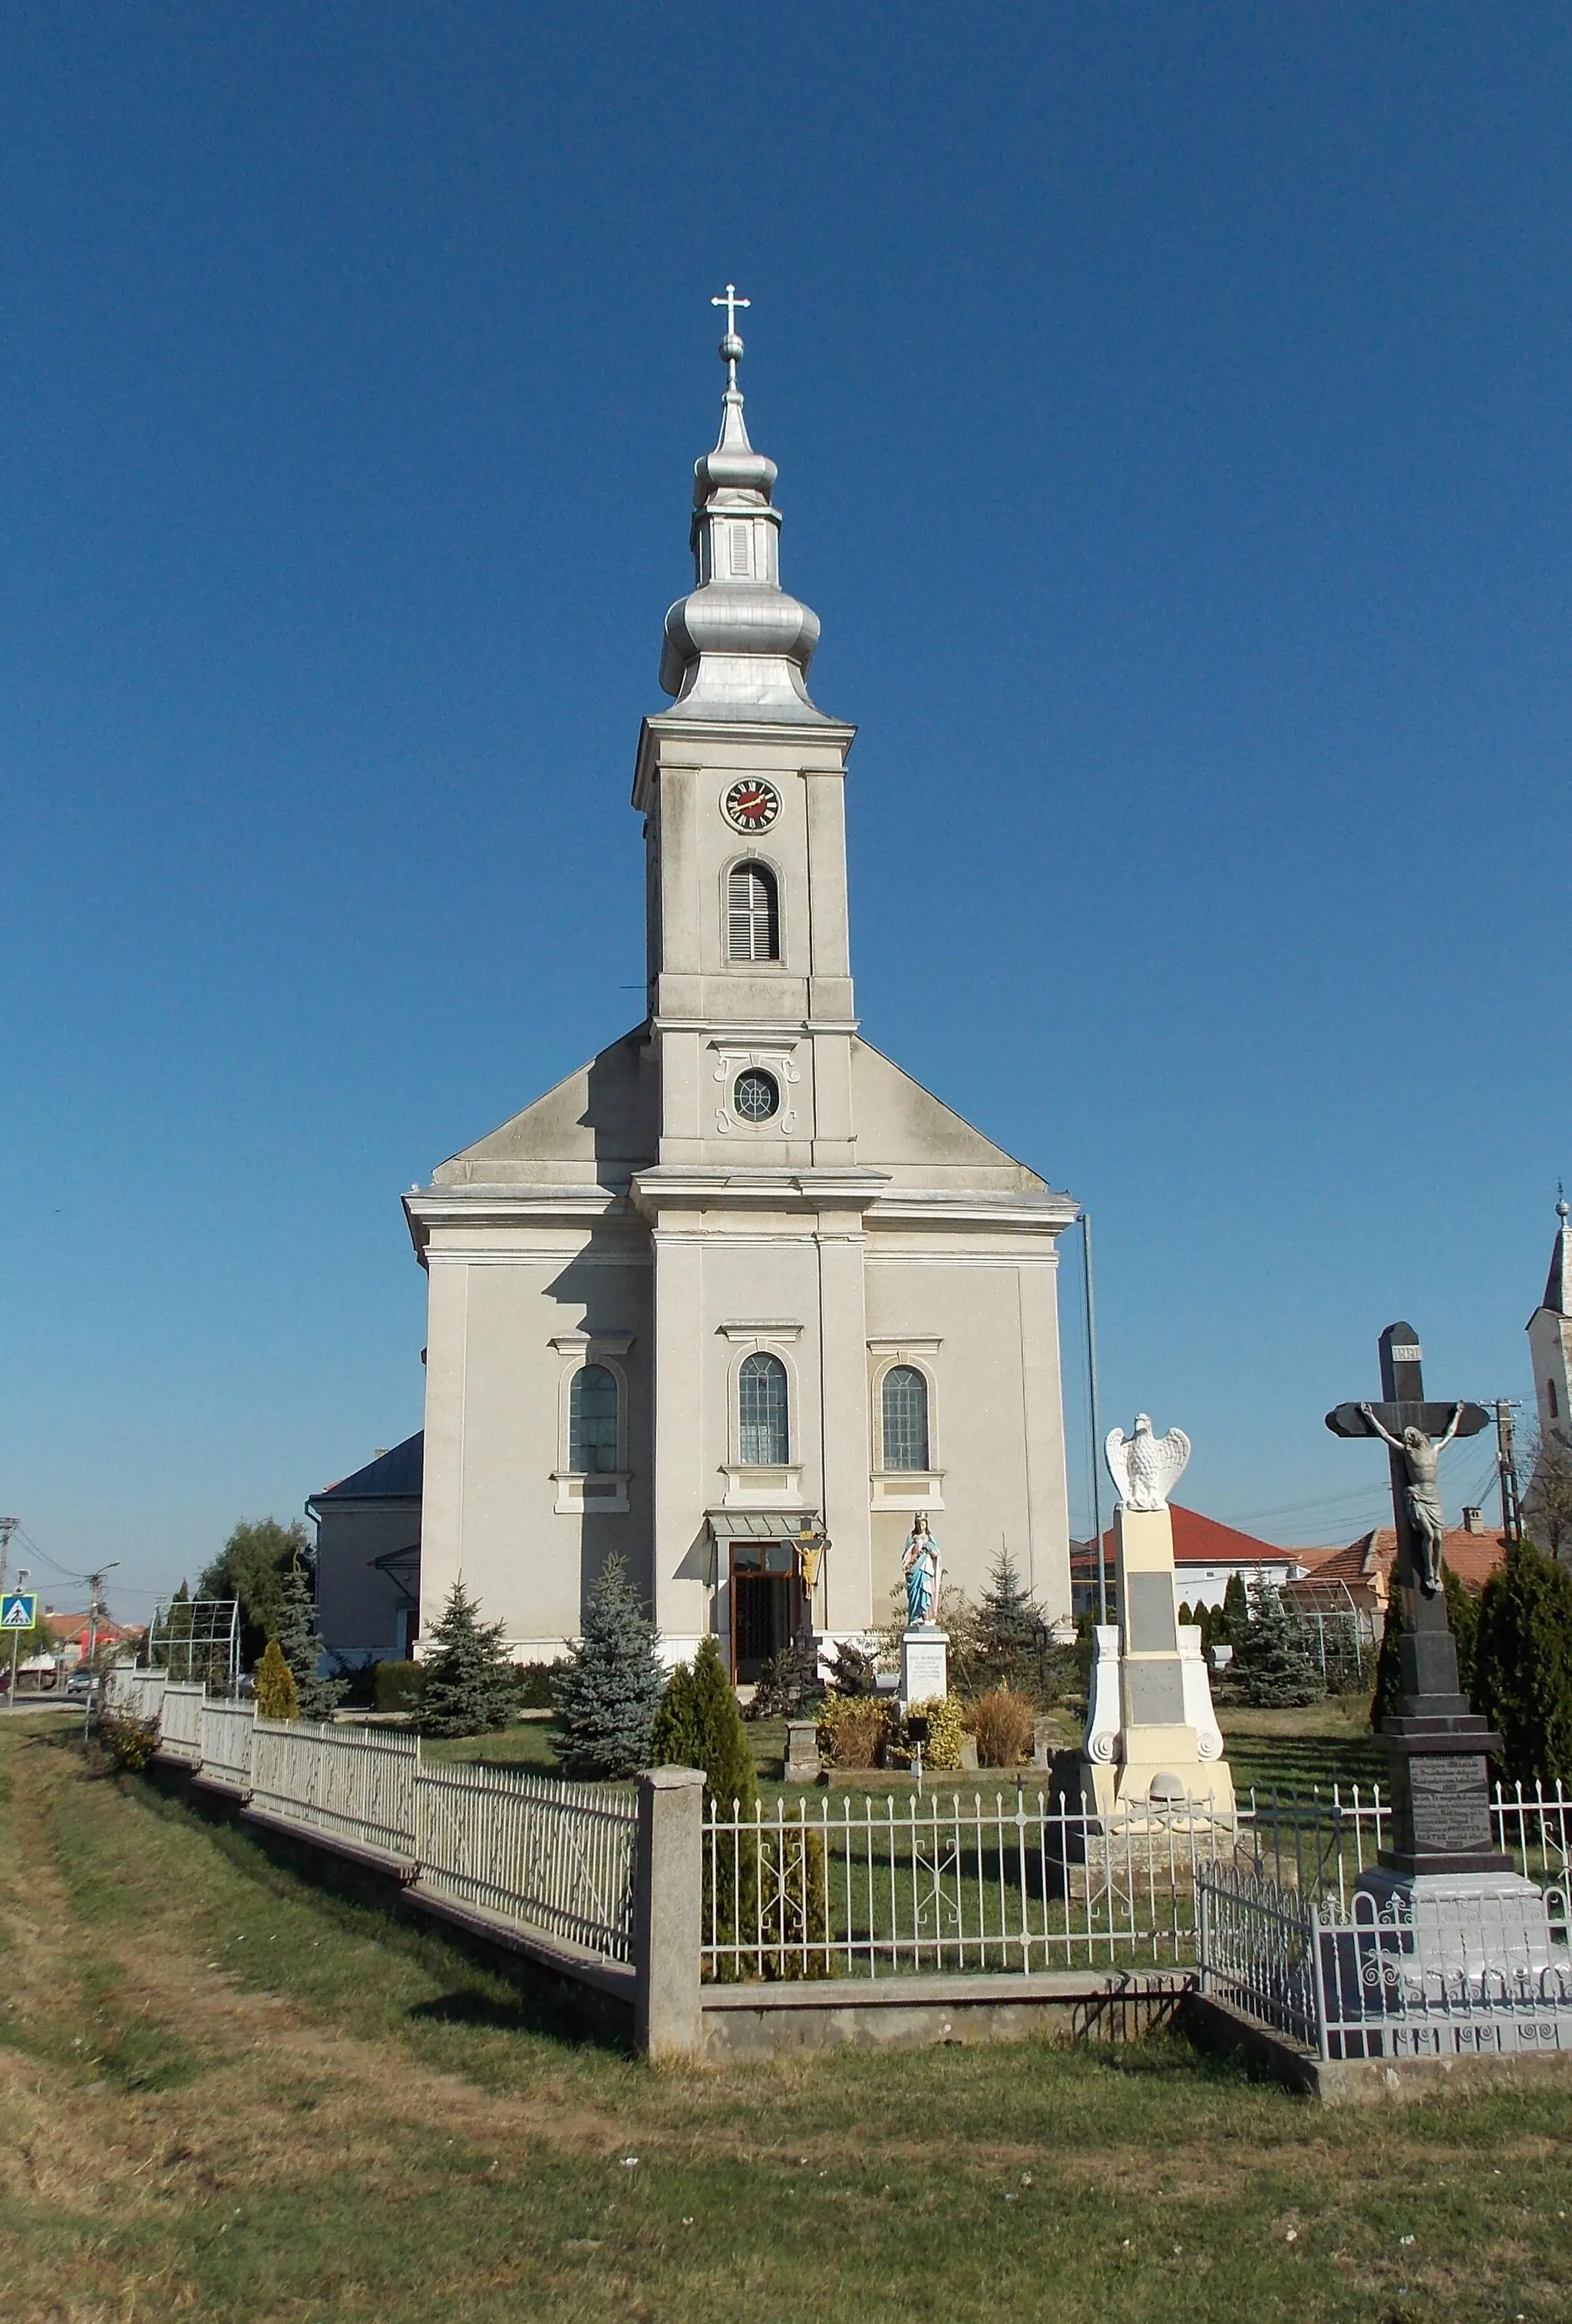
(737, 646)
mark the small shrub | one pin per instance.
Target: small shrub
(398, 1686)
(852, 1729)
(275, 1686)
(1003, 1724)
(946, 1718)
(854, 1671)
(533, 1684)
(130, 1742)
(610, 1688)
(787, 1682)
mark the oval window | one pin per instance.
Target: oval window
(756, 1096)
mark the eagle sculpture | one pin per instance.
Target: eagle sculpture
(1146, 1467)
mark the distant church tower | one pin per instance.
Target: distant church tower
(1549, 1329)
(739, 1296)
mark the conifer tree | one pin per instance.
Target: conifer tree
(275, 1686)
(1522, 1673)
(1005, 1624)
(1270, 1666)
(1462, 1618)
(1234, 1628)
(301, 1645)
(1386, 1697)
(469, 1679)
(700, 1725)
(610, 1690)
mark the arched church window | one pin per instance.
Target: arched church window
(592, 1422)
(905, 1420)
(764, 1436)
(752, 914)
(1551, 1392)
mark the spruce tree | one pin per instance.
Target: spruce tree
(469, 1679)
(301, 1645)
(1270, 1667)
(1006, 1623)
(610, 1690)
(275, 1686)
(1522, 1674)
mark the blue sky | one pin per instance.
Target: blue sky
(1171, 410)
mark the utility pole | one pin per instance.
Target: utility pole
(7, 1527)
(94, 1607)
(1511, 1511)
(1097, 1434)
(23, 1574)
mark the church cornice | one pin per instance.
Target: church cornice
(676, 1186)
(819, 746)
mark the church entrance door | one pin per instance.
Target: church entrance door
(768, 1604)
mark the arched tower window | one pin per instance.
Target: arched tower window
(764, 1437)
(592, 1422)
(752, 914)
(905, 1420)
(1551, 1392)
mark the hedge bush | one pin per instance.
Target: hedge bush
(852, 1729)
(398, 1686)
(946, 1718)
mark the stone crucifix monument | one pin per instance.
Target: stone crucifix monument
(1152, 1736)
(1443, 1862)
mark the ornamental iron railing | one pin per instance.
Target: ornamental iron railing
(558, 1856)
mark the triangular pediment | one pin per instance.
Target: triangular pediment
(595, 1129)
(903, 1129)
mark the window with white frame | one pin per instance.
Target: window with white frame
(763, 1431)
(752, 914)
(592, 1422)
(903, 1420)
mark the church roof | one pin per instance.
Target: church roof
(394, 1476)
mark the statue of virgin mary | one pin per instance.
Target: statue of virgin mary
(920, 1564)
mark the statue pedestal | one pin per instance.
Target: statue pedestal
(924, 1664)
(1152, 1736)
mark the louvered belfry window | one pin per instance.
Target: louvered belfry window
(752, 914)
(905, 1420)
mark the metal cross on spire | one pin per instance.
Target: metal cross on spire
(730, 346)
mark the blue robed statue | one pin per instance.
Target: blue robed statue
(920, 1565)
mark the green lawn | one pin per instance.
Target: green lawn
(228, 2096)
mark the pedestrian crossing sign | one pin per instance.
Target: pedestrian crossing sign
(19, 1610)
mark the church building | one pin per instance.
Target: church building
(739, 1297)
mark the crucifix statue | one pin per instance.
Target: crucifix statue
(1443, 1820)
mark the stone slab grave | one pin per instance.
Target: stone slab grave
(1151, 1739)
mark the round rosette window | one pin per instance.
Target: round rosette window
(756, 1096)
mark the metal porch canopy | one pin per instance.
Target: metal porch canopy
(762, 1524)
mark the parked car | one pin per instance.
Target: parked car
(80, 1685)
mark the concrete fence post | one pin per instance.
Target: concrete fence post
(667, 1892)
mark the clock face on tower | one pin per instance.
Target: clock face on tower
(751, 805)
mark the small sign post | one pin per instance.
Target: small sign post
(18, 1612)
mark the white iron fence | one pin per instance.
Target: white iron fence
(558, 1855)
(884, 1886)
(353, 1783)
(179, 1718)
(133, 1694)
(226, 1741)
(1374, 1977)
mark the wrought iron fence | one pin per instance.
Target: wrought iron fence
(179, 1718)
(879, 1887)
(352, 1784)
(556, 1855)
(226, 1741)
(132, 1694)
(1374, 1977)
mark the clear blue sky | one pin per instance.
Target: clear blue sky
(1172, 406)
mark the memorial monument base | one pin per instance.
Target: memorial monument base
(924, 1664)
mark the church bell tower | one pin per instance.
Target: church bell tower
(741, 786)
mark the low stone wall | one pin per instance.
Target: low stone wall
(907, 2012)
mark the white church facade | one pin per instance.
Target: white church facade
(739, 1296)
